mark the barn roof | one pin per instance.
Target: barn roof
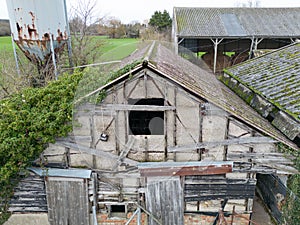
(275, 77)
(199, 82)
(237, 22)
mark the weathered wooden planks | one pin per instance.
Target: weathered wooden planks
(164, 200)
(215, 187)
(67, 201)
(29, 196)
(273, 193)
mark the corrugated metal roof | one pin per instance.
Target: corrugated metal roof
(53, 172)
(275, 76)
(237, 22)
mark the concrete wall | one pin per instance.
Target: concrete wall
(32, 219)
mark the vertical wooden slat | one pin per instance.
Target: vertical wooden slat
(166, 122)
(92, 133)
(67, 201)
(225, 138)
(164, 200)
(175, 122)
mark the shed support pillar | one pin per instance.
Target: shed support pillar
(216, 42)
(254, 44)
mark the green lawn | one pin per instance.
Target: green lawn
(116, 49)
(113, 49)
(5, 43)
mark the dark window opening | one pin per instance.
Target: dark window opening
(118, 209)
(146, 122)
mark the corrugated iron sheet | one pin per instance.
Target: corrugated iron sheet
(34, 22)
(247, 22)
(72, 173)
(184, 169)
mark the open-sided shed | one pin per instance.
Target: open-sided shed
(231, 35)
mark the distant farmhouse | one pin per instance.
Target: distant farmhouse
(226, 36)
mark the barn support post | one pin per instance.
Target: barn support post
(53, 56)
(15, 54)
(254, 44)
(216, 43)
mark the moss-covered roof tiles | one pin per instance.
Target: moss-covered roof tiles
(275, 77)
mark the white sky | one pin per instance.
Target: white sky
(139, 10)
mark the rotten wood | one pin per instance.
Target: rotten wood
(225, 151)
(186, 170)
(123, 107)
(235, 141)
(124, 152)
(96, 152)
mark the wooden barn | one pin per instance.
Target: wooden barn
(227, 36)
(167, 143)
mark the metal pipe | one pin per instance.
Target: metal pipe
(53, 56)
(69, 36)
(133, 215)
(139, 217)
(94, 215)
(15, 54)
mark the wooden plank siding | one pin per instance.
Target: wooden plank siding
(201, 188)
(29, 196)
(164, 200)
(67, 201)
(273, 192)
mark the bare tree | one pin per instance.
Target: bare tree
(83, 19)
(115, 28)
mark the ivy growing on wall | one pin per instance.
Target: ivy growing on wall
(33, 118)
(291, 210)
(29, 120)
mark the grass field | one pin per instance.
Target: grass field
(113, 49)
(5, 43)
(116, 49)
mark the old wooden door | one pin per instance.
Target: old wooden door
(67, 201)
(164, 200)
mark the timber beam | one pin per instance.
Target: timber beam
(234, 141)
(96, 152)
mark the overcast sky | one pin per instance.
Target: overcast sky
(139, 10)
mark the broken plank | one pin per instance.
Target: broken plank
(96, 152)
(123, 107)
(234, 141)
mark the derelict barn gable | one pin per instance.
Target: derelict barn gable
(190, 121)
(201, 125)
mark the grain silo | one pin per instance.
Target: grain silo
(40, 29)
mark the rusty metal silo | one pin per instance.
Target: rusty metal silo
(39, 28)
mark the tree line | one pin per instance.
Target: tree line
(4, 28)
